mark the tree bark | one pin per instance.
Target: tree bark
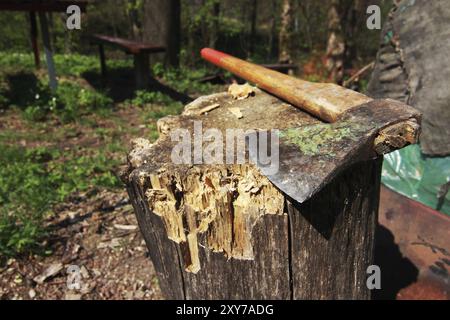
(253, 16)
(214, 32)
(304, 6)
(162, 27)
(133, 16)
(286, 37)
(273, 45)
(412, 66)
(336, 43)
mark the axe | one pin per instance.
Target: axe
(354, 127)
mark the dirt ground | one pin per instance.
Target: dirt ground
(98, 235)
(94, 233)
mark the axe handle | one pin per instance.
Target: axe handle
(327, 101)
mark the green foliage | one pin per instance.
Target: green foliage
(72, 100)
(33, 180)
(69, 103)
(14, 32)
(21, 86)
(25, 196)
(156, 104)
(184, 79)
(4, 101)
(65, 64)
(78, 64)
(143, 97)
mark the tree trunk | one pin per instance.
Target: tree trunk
(272, 53)
(162, 27)
(253, 16)
(306, 15)
(413, 66)
(352, 18)
(286, 37)
(226, 232)
(214, 32)
(336, 43)
(133, 16)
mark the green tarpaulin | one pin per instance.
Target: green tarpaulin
(422, 178)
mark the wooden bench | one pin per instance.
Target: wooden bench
(139, 50)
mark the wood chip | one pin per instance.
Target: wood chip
(236, 111)
(32, 293)
(125, 227)
(51, 271)
(72, 296)
(240, 92)
(114, 243)
(84, 272)
(209, 108)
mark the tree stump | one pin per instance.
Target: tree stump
(224, 231)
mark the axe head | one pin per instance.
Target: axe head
(310, 156)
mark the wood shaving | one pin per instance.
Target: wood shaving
(209, 108)
(240, 92)
(236, 111)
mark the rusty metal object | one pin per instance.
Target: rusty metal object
(413, 248)
(311, 156)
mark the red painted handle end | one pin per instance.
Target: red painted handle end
(212, 55)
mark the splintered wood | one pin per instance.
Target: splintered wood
(241, 91)
(211, 206)
(224, 203)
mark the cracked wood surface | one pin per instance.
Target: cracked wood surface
(226, 232)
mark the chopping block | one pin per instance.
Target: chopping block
(226, 231)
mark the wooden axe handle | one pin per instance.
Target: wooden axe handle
(325, 100)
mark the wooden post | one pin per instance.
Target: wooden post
(142, 70)
(34, 39)
(332, 236)
(48, 51)
(225, 232)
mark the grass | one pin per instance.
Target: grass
(54, 158)
(32, 180)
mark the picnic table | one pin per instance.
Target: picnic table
(139, 50)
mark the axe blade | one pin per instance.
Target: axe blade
(310, 156)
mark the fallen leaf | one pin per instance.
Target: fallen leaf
(18, 279)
